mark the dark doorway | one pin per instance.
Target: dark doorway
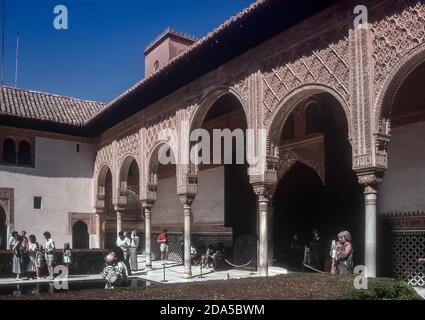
(80, 235)
(299, 207)
(302, 202)
(3, 230)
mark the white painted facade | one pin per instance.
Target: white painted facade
(208, 206)
(63, 178)
(403, 187)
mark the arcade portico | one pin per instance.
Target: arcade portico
(343, 111)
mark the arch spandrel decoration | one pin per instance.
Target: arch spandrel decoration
(166, 122)
(238, 88)
(399, 30)
(129, 146)
(104, 156)
(323, 61)
(290, 102)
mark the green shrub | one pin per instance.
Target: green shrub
(386, 289)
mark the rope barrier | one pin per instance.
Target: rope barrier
(314, 269)
(320, 271)
(235, 266)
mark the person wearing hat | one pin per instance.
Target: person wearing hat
(344, 253)
(115, 273)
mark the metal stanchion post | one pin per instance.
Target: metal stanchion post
(201, 276)
(163, 267)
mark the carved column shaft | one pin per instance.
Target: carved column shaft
(98, 218)
(370, 183)
(264, 194)
(263, 208)
(119, 222)
(148, 251)
(187, 209)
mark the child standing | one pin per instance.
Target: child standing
(33, 248)
(67, 256)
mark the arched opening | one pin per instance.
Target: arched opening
(225, 197)
(109, 231)
(401, 193)
(9, 151)
(129, 187)
(24, 153)
(293, 214)
(167, 212)
(319, 189)
(80, 235)
(3, 229)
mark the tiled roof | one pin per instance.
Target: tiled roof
(44, 106)
(91, 118)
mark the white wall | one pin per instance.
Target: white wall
(63, 177)
(403, 187)
(208, 206)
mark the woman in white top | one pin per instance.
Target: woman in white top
(49, 250)
(133, 250)
(13, 239)
(34, 265)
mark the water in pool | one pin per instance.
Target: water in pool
(25, 289)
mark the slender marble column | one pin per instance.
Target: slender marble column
(119, 222)
(98, 230)
(263, 203)
(148, 238)
(187, 240)
(370, 230)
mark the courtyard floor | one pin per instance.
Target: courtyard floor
(292, 286)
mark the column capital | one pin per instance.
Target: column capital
(264, 192)
(370, 180)
(119, 208)
(147, 203)
(187, 200)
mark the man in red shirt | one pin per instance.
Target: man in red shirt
(163, 244)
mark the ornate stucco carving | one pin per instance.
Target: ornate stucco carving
(398, 29)
(321, 61)
(129, 146)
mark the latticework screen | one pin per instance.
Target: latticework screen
(407, 248)
(175, 245)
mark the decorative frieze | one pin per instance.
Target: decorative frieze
(398, 28)
(402, 221)
(320, 61)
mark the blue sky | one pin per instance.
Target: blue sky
(101, 54)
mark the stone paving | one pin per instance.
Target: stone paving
(174, 273)
(420, 291)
